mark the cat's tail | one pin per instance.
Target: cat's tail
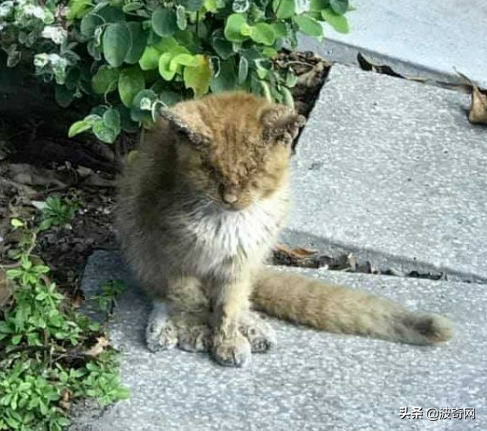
(312, 302)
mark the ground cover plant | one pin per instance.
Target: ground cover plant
(130, 57)
(50, 355)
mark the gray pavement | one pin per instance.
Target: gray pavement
(312, 380)
(392, 170)
(417, 38)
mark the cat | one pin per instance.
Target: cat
(200, 208)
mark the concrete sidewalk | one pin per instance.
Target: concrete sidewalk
(312, 381)
(392, 170)
(431, 39)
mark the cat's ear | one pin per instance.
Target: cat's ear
(178, 124)
(281, 124)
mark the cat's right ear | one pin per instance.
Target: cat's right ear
(181, 127)
(281, 124)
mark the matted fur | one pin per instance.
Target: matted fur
(198, 212)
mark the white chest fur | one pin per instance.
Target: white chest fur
(217, 235)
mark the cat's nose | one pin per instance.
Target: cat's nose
(230, 198)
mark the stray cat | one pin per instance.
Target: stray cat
(199, 210)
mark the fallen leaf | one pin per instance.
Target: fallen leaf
(311, 78)
(40, 205)
(65, 401)
(77, 300)
(83, 171)
(462, 87)
(98, 347)
(478, 108)
(295, 253)
(477, 113)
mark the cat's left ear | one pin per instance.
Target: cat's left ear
(281, 124)
(180, 126)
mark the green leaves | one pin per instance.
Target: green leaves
(309, 25)
(132, 7)
(130, 83)
(138, 38)
(197, 76)
(164, 22)
(191, 5)
(40, 319)
(240, 6)
(165, 66)
(171, 62)
(81, 126)
(339, 6)
(78, 127)
(105, 80)
(109, 290)
(233, 27)
(184, 59)
(111, 119)
(338, 22)
(226, 80)
(56, 212)
(222, 47)
(194, 69)
(284, 9)
(141, 109)
(117, 43)
(243, 70)
(318, 5)
(150, 58)
(89, 24)
(16, 223)
(237, 30)
(262, 33)
(109, 14)
(184, 48)
(77, 8)
(106, 127)
(181, 18)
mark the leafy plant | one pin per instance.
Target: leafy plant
(131, 57)
(47, 358)
(110, 289)
(57, 212)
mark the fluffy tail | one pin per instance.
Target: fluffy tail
(338, 309)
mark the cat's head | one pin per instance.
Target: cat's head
(234, 147)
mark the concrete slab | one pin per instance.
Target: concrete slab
(392, 170)
(312, 381)
(420, 38)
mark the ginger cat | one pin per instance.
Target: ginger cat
(199, 210)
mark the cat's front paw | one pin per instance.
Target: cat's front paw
(161, 333)
(194, 335)
(259, 333)
(232, 352)
(166, 330)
